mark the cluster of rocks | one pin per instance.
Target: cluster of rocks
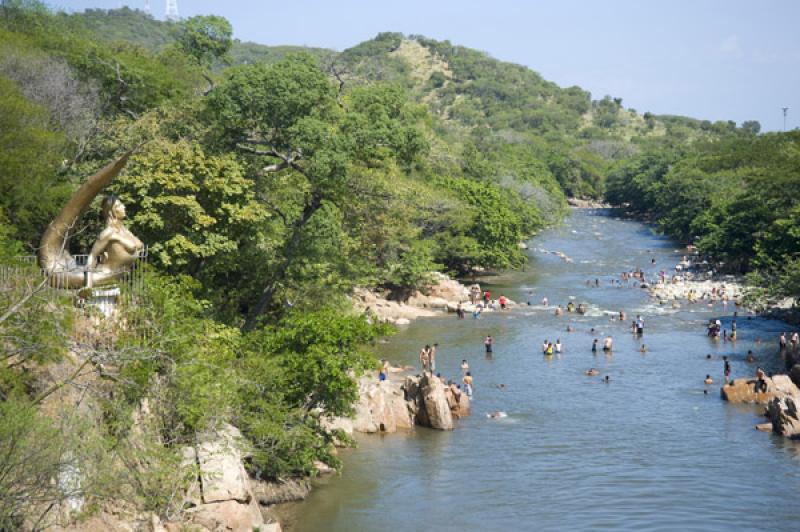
(443, 295)
(418, 400)
(670, 291)
(781, 397)
(587, 203)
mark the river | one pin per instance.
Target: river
(649, 450)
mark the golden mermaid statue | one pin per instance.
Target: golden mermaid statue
(115, 250)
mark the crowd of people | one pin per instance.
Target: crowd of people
(482, 299)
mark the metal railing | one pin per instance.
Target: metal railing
(102, 312)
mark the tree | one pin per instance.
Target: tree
(205, 38)
(287, 118)
(752, 127)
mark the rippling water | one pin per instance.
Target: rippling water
(647, 451)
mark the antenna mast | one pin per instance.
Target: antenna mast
(171, 10)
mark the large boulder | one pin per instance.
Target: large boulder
(223, 500)
(415, 400)
(381, 407)
(782, 413)
(794, 374)
(437, 409)
(289, 490)
(744, 390)
(228, 515)
(458, 402)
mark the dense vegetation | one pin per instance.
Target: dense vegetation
(269, 182)
(735, 199)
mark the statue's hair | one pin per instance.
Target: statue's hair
(108, 204)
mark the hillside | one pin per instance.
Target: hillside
(474, 98)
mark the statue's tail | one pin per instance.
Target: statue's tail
(54, 258)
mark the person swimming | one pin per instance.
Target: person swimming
(708, 380)
(643, 349)
(496, 415)
(591, 372)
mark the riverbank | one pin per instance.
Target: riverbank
(443, 295)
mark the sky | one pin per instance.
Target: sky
(709, 59)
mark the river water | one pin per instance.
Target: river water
(649, 450)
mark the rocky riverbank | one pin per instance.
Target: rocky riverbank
(780, 394)
(402, 402)
(587, 203)
(701, 290)
(441, 296)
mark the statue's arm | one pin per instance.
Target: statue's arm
(100, 245)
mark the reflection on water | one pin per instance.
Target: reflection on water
(647, 450)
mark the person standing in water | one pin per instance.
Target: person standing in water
(432, 356)
(464, 366)
(487, 343)
(727, 369)
(608, 344)
(424, 357)
(468, 384)
(594, 346)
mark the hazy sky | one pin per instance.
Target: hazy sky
(710, 59)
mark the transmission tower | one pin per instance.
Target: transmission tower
(785, 112)
(172, 10)
(147, 7)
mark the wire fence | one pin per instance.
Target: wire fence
(102, 313)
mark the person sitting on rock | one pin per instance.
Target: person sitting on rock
(761, 381)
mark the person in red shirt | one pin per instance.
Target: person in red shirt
(487, 296)
(503, 302)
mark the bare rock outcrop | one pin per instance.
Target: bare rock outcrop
(745, 390)
(428, 397)
(381, 407)
(221, 497)
(435, 402)
(782, 413)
